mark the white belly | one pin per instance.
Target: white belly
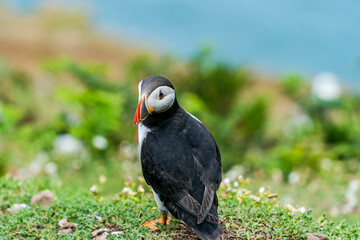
(160, 204)
(142, 131)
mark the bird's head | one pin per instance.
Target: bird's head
(156, 95)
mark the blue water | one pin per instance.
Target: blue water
(278, 36)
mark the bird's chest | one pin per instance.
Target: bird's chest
(169, 150)
(142, 132)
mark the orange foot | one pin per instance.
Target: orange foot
(152, 224)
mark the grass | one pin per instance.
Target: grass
(320, 193)
(245, 215)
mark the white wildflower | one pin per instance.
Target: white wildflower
(93, 189)
(261, 190)
(326, 86)
(294, 178)
(50, 168)
(67, 144)
(351, 195)
(102, 179)
(302, 209)
(17, 207)
(140, 189)
(100, 142)
(126, 190)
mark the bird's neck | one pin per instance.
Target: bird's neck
(159, 119)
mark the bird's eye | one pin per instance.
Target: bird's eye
(161, 95)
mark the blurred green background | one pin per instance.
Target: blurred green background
(68, 97)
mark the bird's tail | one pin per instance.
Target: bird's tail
(208, 231)
(204, 230)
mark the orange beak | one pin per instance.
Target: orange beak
(137, 114)
(142, 111)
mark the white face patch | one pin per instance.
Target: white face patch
(161, 99)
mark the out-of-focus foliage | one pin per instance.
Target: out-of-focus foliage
(76, 101)
(98, 114)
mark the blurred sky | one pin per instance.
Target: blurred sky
(278, 36)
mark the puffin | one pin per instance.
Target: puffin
(180, 159)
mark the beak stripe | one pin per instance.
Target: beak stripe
(143, 110)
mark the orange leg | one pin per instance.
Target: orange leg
(152, 224)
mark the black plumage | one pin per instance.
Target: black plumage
(182, 163)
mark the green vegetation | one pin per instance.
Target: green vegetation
(68, 122)
(245, 215)
(74, 123)
(84, 104)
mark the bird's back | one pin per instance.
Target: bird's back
(179, 158)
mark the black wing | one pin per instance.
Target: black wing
(207, 162)
(182, 164)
